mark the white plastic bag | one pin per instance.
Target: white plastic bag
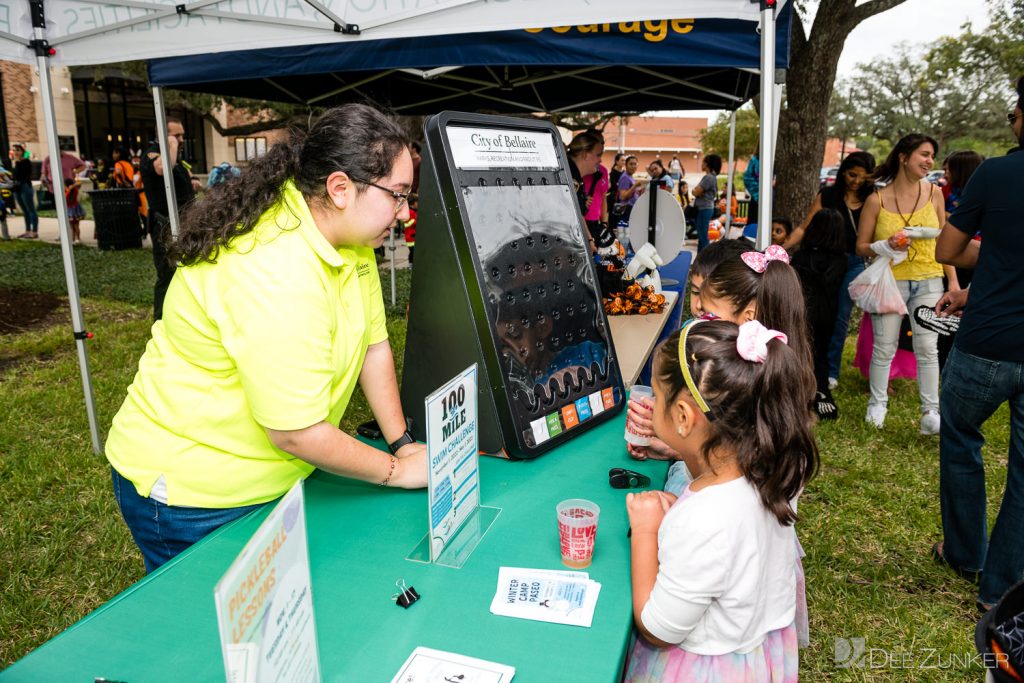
(875, 289)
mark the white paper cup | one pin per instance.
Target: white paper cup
(638, 392)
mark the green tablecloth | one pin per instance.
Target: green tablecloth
(164, 628)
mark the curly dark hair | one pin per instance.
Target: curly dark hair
(757, 414)
(354, 138)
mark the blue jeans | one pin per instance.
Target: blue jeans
(854, 267)
(703, 219)
(24, 196)
(972, 389)
(162, 531)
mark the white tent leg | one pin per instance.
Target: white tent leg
(161, 136)
(70, 274)
(767, 156)
(392, 247)
(776, 114)
(732, 162)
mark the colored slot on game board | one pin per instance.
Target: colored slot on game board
(545, 428)
(569, 416)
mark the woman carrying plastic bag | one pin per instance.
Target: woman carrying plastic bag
(903, 217)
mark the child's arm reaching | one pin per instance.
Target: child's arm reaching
(674, 583)
(646, 510)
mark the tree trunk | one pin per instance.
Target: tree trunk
(803, 123)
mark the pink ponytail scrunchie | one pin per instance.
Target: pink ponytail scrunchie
(752, 342)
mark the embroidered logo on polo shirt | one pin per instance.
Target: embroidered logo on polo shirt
(363, 269)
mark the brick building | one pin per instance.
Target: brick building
(657, 137)
(100, 109)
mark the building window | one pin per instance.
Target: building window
(247, 149)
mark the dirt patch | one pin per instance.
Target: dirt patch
(21, 311)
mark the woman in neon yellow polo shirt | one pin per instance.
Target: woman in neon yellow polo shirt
(273, 316)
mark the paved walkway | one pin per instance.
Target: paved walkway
(48, 232)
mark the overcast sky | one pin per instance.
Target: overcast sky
(914, 22)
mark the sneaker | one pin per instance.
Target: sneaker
(927, 318)
(833, 382)
(930, 423)
(876, 415)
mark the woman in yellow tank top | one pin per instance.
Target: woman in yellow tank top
(907, 201)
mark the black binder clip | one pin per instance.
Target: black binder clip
(406, 595)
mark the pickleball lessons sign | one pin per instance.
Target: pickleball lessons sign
(453, 448)
(490, 148)
(264, 602)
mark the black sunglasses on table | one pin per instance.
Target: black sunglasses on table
(620, 478)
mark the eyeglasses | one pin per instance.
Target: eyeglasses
(401, 198)
(1011, 118)
(627, 479)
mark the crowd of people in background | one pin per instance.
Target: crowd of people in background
(769, 327)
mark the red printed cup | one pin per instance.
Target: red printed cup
(638, 392)
(577, 529)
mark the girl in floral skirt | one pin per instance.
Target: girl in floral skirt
(714, 571)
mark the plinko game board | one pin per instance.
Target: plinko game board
(504, 278)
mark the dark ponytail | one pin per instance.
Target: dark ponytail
(757, 414)
(353, 138)
(781, 306)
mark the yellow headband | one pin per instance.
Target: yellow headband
(684, 365)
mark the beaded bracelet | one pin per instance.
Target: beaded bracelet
(394, 460)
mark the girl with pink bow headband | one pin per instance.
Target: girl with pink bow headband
(763, 287)
(725, 402)
(744, 287)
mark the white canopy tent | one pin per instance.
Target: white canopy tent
(78, 32)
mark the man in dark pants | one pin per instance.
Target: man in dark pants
(984, 370)
(152, 170)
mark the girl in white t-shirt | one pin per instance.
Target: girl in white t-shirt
(714, 571)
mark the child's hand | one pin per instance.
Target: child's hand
(640, 415)
(647, 509)
(657, 450)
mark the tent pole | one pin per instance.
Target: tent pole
(732, 171)
(161, 136)
(393, 299)
(622, 135)
(70, 274)
(767, 157)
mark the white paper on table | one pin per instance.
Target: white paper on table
(425, 665)
(559, 597)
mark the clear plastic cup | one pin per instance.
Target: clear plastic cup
(577, 529)
(638, 392)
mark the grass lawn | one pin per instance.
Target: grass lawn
(84, 200)
(867, 521)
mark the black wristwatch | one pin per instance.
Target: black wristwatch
(404, 440)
